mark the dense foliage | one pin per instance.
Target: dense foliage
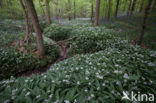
(88, 78)
(57, 32)
(97, 77)
(16, 57)
(12, 63)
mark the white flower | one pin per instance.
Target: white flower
(53, 81)
(126, 76)
(66, 101)
(24, 89)
(89, 83)
(89, 98)
(45, 76)
(38, 96)
(92, 95)
(151, 64)
(56, 101)
(118, 72)
(98, 88)
(26, 81)
(28, 93)
(78, 82)
(86, 90)
(7, 101)
(100, 77)
(13, 97)
(51, 95)
(116, 65)
(87, 78)
(75, 101)
(103, 84)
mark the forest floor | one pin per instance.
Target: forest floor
(83, 63)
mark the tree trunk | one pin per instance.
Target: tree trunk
(129, 7)
(92, 11)
(147, 11)
(69, 10)
(116, 11)
(48, 12)
(109, 9)
(36, 26)
(42, 8)
(74, 9)
(133, 7)
(96, 22)
(153, 5)
(26, 21)
(141, 6)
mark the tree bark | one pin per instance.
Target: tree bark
(36, 26)
(92, 11)
(96, 22)
(74, 9)
(69, 10)
(109, 9)
(129, 7)
(117, 7)
(133, 7)
(26, 21)
(141, 6)
(48, 12)
(147, 11)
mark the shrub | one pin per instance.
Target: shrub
(12, 63)
(90, 39)
(57, 32)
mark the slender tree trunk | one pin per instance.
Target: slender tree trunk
(42, 8)
(74, 9)
(147, 11)
(92, 10)
(36, 25)
(96, 22)
(153, 5)
(116, 11)
(109, 9)
(141, 6)
(48, 12)
(125, 4)
(129, 7)
(133, 7)
(1, 3)
(26, 21)
(69, 10)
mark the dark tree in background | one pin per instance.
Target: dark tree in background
(133, 7)
(69, 10)
(37, 28)
(92, 10)
(117, 7)
(141, 6)
(48, 12)
(129, 7)
(109, 9)
(147, 11)
(96, 22)
(26, 20)
(74, 9)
